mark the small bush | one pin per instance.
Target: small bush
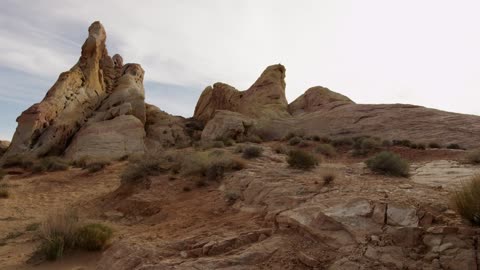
(53, 164)
(18, 161)
(474, 157)
(455, 146)
(210, 165)
(186, 189)
(405, 143)
(58, 233)
(2, 174)
(304, 144)
(4, 192)
(386, 143)
(97, 166)
(467, 198)
(254, 139)
(389, 163)
(326, 149)
(294, 141)
(301, 160)
(365, 146)
(93, 236)
(328, 177)
(342, 142)
(292, 134)
(139, 169)
(252, 152)
(217, 144)
(239, 148)
(421, 146)
(434, 145)
(280, 149)
(316, 138)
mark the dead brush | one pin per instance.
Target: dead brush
(57, 233)
(467, 200)
(328, 176)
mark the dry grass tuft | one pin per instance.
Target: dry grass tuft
(329, 176)
(474, 157)
(57, 233)
(467, 200)
(93, 236)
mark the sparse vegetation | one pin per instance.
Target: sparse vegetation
(328, 177)
(252, 152)
(97, 166)
(404, 143)
(300, 159)
(342, 142)
(58, 233)
(93, 236)
(2, 174)
(210, 164)
(386, 143)
(365, 145)
(467, 198)
(32, 227)
(474, 157)
(455, 146)
(421, 146)
(139, 169)
(434, 145)
(53, 164)
(18, 161)
(326, 149)
(294, 141)
(4, 191)
(389, 163)
(280, 149)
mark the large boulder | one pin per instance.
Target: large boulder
(264, 99)
(317, 98)
(227, 124)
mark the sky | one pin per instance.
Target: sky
(373, 51)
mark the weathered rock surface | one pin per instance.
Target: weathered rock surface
(264, 99)
(227, 124)
(3, 147)
(317, 99)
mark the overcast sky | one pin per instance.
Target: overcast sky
(420, 52)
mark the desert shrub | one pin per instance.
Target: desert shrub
(217, 144)
(53, 164)
(389, 163)
(253, 138)
(343, 142)
(301, 160)
(97, 166)
(467, 198)
(405, 143)
(304, 144)
(210, 165)
(4, 191)
(232, 197)
(280, 149)
(252, 152)
(328, 177)
(58, 233)
(292, 134)
(364, 146)
(386, 143)
(434, 145)
(2, 174)
(316, 138)
(294, 141)
(186, 189)
(239, 148)
(139, 169)
(327, 150)
(454, 146)
(474, 157)
(18, 161)
(93, 236)
(421, 146)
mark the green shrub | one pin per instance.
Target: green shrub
(294, 141)
(252, 152)
(454, 146)
(301, 160)
(389, 163)
(434, 145)
(327, 150)
(467, 198)
(139, 169)
(97, 166)
(342, 142)
(474, 157)
(93, 236)
(58, 233)
(366, 145)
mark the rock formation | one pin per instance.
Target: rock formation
(317, 99)
(96, 109)
(3, 147)
(264, 99)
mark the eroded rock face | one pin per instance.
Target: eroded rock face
(317, 98)
(3, 147)
(264, 99)
(46, 127)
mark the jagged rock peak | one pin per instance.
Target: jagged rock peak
(316, 99)
(265, 98)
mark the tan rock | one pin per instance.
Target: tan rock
(227, 124)
(3, 147)
(264, 99)
(317, 99)
(165, 130)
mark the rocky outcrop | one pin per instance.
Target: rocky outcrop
(96, 109)
(317, 99)
(227, 124)
(3, 147)
(264, 99)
